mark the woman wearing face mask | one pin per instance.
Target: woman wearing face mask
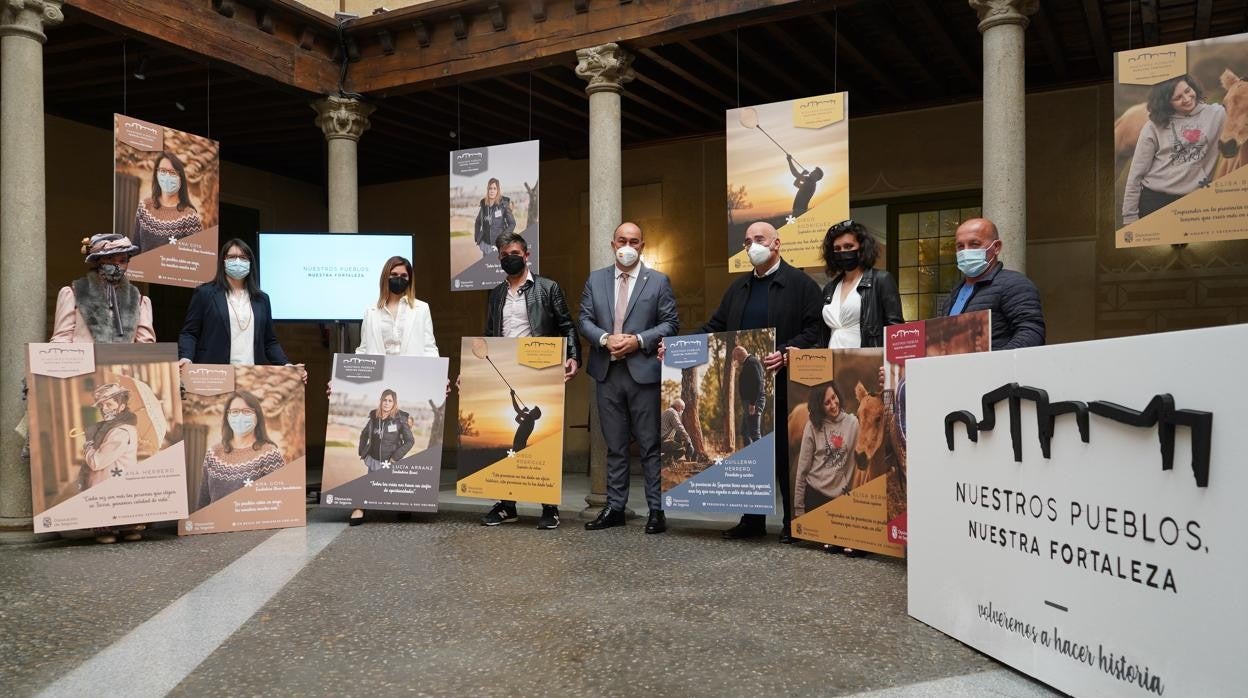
(860, 300)
(245, 453)
(397, 325)
(104, 306)
(824, 469)
(494, 217)
(1175, 153)
(167, 214)
(230, 320)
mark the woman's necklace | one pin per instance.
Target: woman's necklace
(240, 301)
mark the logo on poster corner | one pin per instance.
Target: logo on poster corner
(666, 502)
(1160, 412)
(47, 522)
(1128, 236)
(190, 525)
(463, 489)
(456, 283)
(470, 162)
(799, 529)
(329, 499)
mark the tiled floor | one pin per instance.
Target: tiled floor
(443, 606)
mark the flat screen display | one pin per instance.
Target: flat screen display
(325, 276)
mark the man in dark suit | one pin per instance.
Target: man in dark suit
(527, 305)
(752, 385)
(778, 295)
(626, 311)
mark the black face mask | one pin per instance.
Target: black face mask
(512, 264)
(847, 260)
(398, 285)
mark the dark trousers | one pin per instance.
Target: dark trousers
(782, 457)
(628, 409)
(751, 425)
(1151, 201)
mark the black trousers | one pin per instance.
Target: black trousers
(1151, 201)
(782, 456)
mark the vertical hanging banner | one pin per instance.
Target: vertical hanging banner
(511, 403)
(494, 190)
(1180, 142)
(245, 444)
(105, 424)
(1076, 510)
(788, 164)
(383, 443)
(166, 185)
(718, 423)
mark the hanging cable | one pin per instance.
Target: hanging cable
(530, 105)
(459, 129)
(1130, 25)
(344, 59)
(736, 35)
(125, 97)
(836, 49)
(208, 106)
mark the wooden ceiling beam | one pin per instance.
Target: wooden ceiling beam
(730, 73)
(686, 75)
(490, 94)
(1096, 32)
(796, 88)
(1204, 19)
(869, 66)
(531, 42)
(838, 83)
(1150, 23)
(936, 30)
(633, 95)
(1048, 38)
(885, 21)
(627, 114)
(676, 96)
(581, 114)
(196, 29)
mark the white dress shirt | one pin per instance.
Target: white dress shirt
(516, 310)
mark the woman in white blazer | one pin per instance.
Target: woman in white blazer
(398, 325)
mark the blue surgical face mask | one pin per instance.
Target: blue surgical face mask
(973, 262)
(242, 424)
(169, 183)
(238, 268)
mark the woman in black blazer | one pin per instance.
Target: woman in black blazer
(230, 320)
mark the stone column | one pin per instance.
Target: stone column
(23, 237)
(343, 120)
(606, 68)
(1003, 23)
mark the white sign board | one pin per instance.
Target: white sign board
(1116, 565)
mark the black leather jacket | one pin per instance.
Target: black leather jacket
(881, 306)
(548, 312)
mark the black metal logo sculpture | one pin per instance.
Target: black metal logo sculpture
(1159, 412)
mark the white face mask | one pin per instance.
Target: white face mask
(758, 254)
(169, 184)
(627, 256)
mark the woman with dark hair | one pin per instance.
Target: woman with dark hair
(245, 453)
(860, 300)
(824, 468)
(230, 320)
(385, 438)
(1175, 153)
(398, 324)
(494, 217)
(167, 214)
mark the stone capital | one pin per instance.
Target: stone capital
(997, 12)
(29, 17)
(606, 67)
(342, 117)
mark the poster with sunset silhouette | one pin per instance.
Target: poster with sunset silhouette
(510, 429)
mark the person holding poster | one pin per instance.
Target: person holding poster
(525, 305)
(775, 294)
(494, 217)
(167, 215)
(230, 320)
(245, 453)
(1175, 154)
(860, 300)
(397, 325)
(104, 306)
(1017, 316)
(824, 471)
(629, 308)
